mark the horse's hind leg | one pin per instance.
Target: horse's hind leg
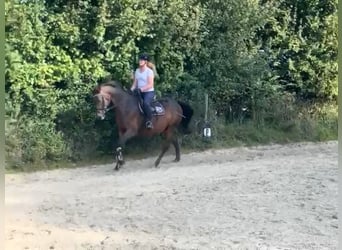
(166, 145)
(175, 143)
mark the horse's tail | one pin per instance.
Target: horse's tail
(187, 115)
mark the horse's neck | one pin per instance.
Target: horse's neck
(124, 102)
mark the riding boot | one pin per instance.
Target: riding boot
(148, 123)
(148, 97)
(148, 115)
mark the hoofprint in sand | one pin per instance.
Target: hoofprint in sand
(266, 197)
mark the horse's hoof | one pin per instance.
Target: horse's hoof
(156, 164)
(117, 167)
(176, 160)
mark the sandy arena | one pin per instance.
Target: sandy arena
(266, 197)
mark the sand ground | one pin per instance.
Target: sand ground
(266, 197)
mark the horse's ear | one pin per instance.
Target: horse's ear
(96, 90)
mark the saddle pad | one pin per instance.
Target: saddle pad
(157, 108)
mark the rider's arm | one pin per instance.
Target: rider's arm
(134, 85)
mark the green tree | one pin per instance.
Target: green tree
(229, 64)
(300, 39)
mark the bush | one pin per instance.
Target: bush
(29, 141)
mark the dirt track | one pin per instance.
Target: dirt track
(270, 197)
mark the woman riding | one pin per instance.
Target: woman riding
(144, 81)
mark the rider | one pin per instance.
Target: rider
(144, 80)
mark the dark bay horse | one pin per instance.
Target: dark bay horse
(130, 120)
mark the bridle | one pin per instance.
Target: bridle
(103, 98)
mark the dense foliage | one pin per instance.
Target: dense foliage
(256, 59)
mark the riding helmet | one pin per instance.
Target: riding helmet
(144, 57)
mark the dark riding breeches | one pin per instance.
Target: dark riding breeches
(148, 97)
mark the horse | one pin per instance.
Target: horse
(173, 116)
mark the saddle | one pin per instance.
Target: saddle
(156, 107)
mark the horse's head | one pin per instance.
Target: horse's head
(102, 99)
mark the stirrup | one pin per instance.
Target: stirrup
(149, 125)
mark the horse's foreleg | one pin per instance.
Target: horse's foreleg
(119, 158)
(122, 142)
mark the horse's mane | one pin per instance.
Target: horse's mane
(111, 83)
